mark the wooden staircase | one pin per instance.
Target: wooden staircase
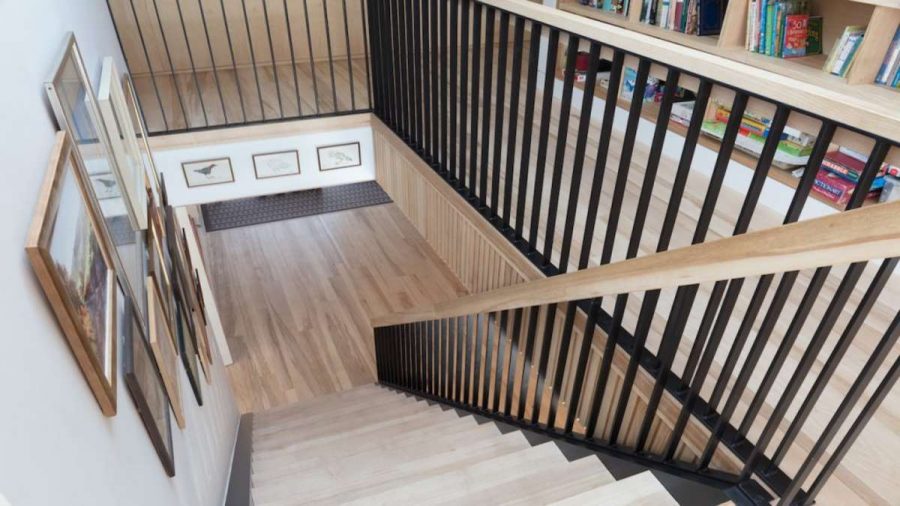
(373, 445)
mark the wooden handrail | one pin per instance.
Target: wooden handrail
(853, 236)
(857, 111)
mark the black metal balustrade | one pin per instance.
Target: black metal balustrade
(449, 78)
(200, 64)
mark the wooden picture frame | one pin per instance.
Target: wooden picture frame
(84, 302)
(145, 384)
(336, 165)
(165, 351)
(206, 165)
(188, 345)
(261, 156)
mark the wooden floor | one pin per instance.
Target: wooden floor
(296, 297)
(219, 98)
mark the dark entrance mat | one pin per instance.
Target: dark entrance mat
(286, 206)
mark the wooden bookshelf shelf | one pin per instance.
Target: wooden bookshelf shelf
(650, 112)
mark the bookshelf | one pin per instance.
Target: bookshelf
(650, 112)
(881, 17)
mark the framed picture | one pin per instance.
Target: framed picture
(75, 269)
(159, 264)
(164, 350)
(75, 107)
(340, 156)
(208, 172)
(282, 163)
(145, 385)
(188, 346)
(105, 186)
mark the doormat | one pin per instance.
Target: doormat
(287, 206)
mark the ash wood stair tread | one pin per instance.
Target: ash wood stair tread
(371, 445)
(639, 490)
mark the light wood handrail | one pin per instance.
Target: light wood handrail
(853, 236)
(857, 111)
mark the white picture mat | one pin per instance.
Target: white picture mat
(282, 163)
(207, 172)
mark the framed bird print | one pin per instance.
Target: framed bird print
(105, 186)
(208, 172)
(72, 261)
(339, 156)
(283, 163)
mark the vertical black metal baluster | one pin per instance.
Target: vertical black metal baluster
(876, 158)
(290, 36)
(370, 81)
(415, 336)
(237, 78)
(212, 60)
(488, 353)
(428, 74)
(411, 78)
(416, 81)
(543, 361)
(543, 136)
(312, 58)
(562, 134)
(502, 337)
(272, 57)
(432, 102)
(485, 146)
(675, 327)
(649, 304)
(451, 76)
(837, 354)
(435, 355)
(823, 141)
(459, 333)
(609, 115)
(463, 92)
(584, 353)
(527, 364)
(475, 330)
(262, 110)
(162, 33)
(390, 70)
(140, 32)
(499, 107)
(349, 59)
(405, 88)
(561, 361)
(401, 347)
(374, 46)
(513, 358)
(516, 84)
(396, 354)
(330, 55)
(190, 53)
(473, 92)
(823, 330)
(429, 357)
(443, 389)
(850, 400)
(442, 124)
(584, 125)
(471, 351)
(527, 125)
(424, 339)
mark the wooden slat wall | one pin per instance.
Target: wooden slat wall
(483, 260)
(138, 18)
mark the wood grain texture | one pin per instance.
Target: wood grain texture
(296, 297)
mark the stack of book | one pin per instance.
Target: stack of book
(839, 174)
(694, 17)
(889, 73)
(844, 52)
(783, 29)
(794, 147)
(617, 6)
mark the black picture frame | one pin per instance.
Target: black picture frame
(145, 385)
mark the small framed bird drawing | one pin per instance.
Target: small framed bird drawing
(208, 172)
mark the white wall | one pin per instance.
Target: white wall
(168, 161)
(56, 448)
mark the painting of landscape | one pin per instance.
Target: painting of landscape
(81, 268)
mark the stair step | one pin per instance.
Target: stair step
(464, 484)
(578, 476)
(368, 479)
(639, 490)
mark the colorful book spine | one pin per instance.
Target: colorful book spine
(891, 62)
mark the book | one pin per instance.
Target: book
(891, 63)
(814, 27)
(844, 51)
(795, 35)
(836, 188)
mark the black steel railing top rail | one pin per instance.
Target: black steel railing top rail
(201, 64)
(557, 163)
